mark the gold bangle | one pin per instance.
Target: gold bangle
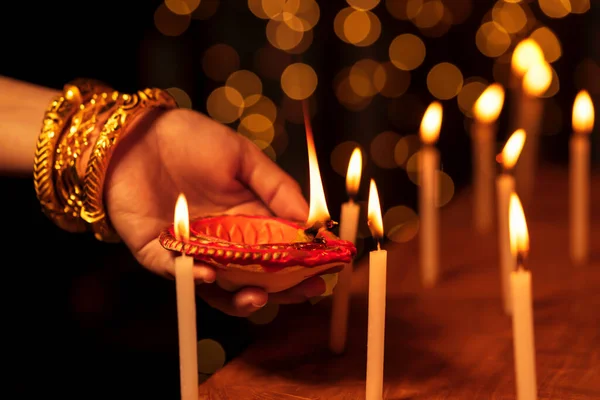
(74, 140)
(55, 119)
(114, 130)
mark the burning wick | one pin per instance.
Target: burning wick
(318, 228)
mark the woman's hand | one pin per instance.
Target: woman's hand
(219, 171)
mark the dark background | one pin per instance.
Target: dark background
(82, 318)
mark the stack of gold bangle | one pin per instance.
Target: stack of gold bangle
(84, 111)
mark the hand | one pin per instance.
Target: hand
(219, 171)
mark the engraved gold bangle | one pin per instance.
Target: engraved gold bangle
(75, 139)
(114, 130)
(56, 117)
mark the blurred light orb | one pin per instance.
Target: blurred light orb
(219, 61)
(257, 127)
(548, 42)
(554, 87)
(382, 149)
(363, 5)
(225, 104)
(182, 99)
(405, 148)
(247, 84)
(262, 105)
(580, 6)
(429, 14)
(413, 168)
(509, 16)
(340, 156)
(555, 8)
(397, 8)
(390, 81)
(205, 10)
(407, 52)
(170, 24)
(264, 315)
(256, 8)
(281, 36)
(401, 224)
(492, 39)
(182, 7)
(211, 356)
(445, 188)
(444, 81)
(299, 81)
(357, 26)
(361, 77)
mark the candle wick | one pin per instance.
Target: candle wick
(378, 245)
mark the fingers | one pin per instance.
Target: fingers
(311, 287)
(275, 188)
(238, 304)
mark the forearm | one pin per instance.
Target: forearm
(22, 107)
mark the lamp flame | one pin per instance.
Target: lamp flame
(318, 211)
(537, 79)
(526, 54)
(182, 219)
(583, 113)
(431, 123)
(354, 173)
(374, 212)
(512, 149)
(489, 105)
(519, 234)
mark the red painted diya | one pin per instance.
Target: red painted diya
(267, 252)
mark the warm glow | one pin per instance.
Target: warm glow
(318, 206)
(519, 234)
(512, 149)
(489, 104)
(182, 219)
(537, 79)
(354, 172)
(526, 54)
(583, 113)
(374, 212)
(431, 123)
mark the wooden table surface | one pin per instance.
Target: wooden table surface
(449, 342)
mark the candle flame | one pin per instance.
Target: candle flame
(354, 173)
(512, 149)
(537, 79)
(318, 211)
(583, 113)
(526, 54)
(519, 234)
(489, 104)
(431, 123)
(182, 219)
(374, 212)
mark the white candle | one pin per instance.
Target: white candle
(523, 334)
(483, 138)
(429, 159)
(348, 228)
(186, 308)
(579, 177)
(505, 185)
(536, 81)
(377, 297)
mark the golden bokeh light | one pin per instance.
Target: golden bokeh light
(281, 36)
(548, 42)
(583, 113)
(304, 44)
(555, 8)
(257, 127)
(363, 5)
(429, 14)
(267, 149)
(362, 76)
(225, 104)
(345, 93)
(413, 166)
(492, 39)
(170, 24)
(469, 94)
(401, 224)
(510, 16)
(580, 6)
(382, 149)
(537, 79)
(256, 7)
(211, 356)
(299, 81)
(405, 148)
(444, 81)
(407, 52)
(445, 188)
(357, 26)
(219, 61)
(554, 86)
(247, 84)
(205, 10)
(182, 7)
(390, 81)
(264, 315)
(182, 99)
(340, 156)
(397, 8)
(526, 54)
(262, 105)
(441, 27)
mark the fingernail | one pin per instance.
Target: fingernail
(259, 305)
(210, 280)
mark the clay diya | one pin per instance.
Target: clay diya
(267, 252)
